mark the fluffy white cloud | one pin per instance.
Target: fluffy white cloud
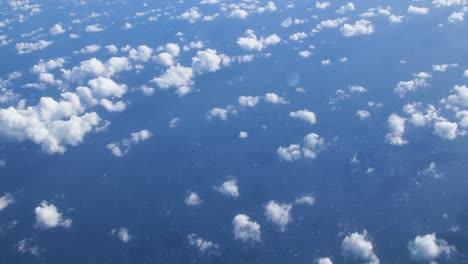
(51, 124)
(43, 66)
(89, 49)
(443, 67)
(419, 118)
(306, 200)
(395, 19)
(274, 98)
(298, 36)
(360, 27)
(330, 23)
(191, 15)
(229, 188)
(6, 200)
(105, 87)
(164, 59)
(221, 113)
(429, 248)
(110, 106)
(363, 114)
(440, 3)
(48, 216)
(57, 29)
(313, 144)
(278, 214)
(208, 61)
(456, 17)
(202, 245)
(245, 229)
(140, 54)
(420, 80)
(323, 261)
(458, 98)
(28, 47)
(238, 13)
(251, 43)
(243, 134)
(418, 10)
(249, 101)
(193, 199)
(291, 153)
(304, 115)
(122, 234)
(178, 77)
(446, 129)
(322, 5)
(346, 8)
(94, 28)
(357, 246)
(121, 148)
(95, 68)
(396, 126)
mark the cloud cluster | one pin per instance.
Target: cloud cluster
(121, 148)
(48, 216)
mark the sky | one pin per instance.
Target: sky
(233, 131)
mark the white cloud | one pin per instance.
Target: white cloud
(6, 200)
(122, 234)
(249, 101)
(396, 125)
(440, 3)
(431, 171)
(420, 80)
(110, 106)
(323, 261)
(238, 13)
(51, 124)
(57, 29)
(322, 5)
(357, 246)
(89, 49)
(26, 246)
(456, 17)
(48, 216)
(121, 148)
(95, 68)
(229, 188)
(207, 61)
(458, 98)
(105, 87)
(141, 54)
(164, 59)
(29, 47)
(178, 77)
(193, 199)
(331, 23)
(94, 28)
(278, 214)
(274, 98)
(251, 43)
(395, 19)
(306, 200)
(127, 26)
(446, 129)
(313, 144)
(175, 122)
(221, 113)
(346, 8)
(443, 67)
(360, 27)
(298, 36)
(291, 153)
(202, 245)
(43, 66)
(363, 114)
(429, 248)
(245, 229)
(243, 134)
(418, 10)
(304, 115)
(191, 15)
